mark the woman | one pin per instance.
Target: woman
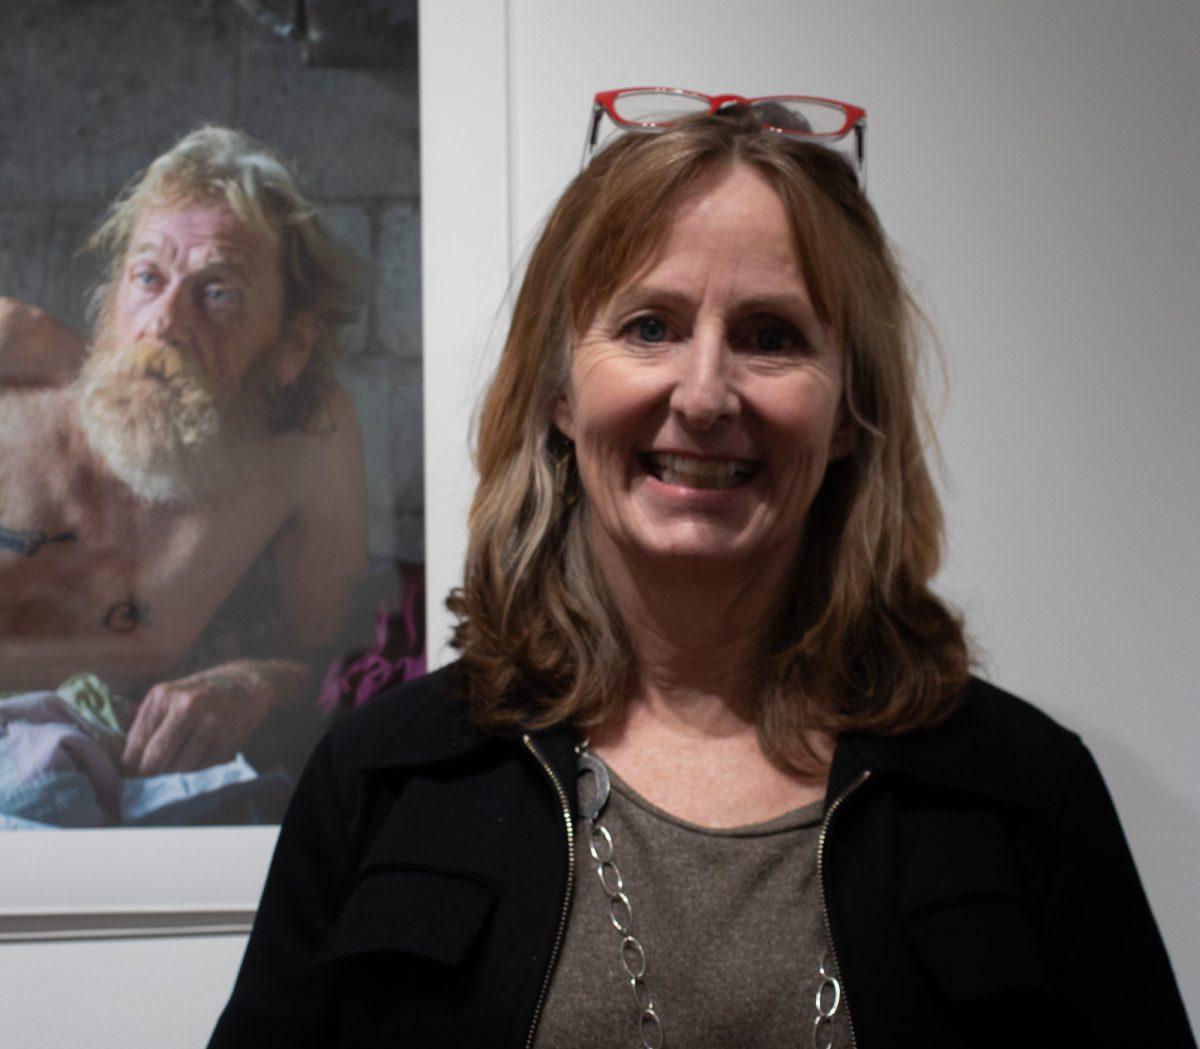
(697, 590)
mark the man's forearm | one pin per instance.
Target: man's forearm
(283, 680)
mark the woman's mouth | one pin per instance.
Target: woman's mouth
(689, 472)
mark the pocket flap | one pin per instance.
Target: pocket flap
(430, 913)
(979, 948)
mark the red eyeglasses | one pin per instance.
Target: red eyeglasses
(655, 109)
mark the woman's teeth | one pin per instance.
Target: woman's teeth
(687, 472)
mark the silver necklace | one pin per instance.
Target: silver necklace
(620, 910)
(651, 1033)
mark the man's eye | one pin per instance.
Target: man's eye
(219, 294)
(649, 329)
(146, 278)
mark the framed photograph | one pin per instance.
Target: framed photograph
(335, 100)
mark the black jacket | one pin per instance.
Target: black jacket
(980, 890)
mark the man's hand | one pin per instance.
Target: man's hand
(206, 718)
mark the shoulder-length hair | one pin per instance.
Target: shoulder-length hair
(322, 281)
(860, 643)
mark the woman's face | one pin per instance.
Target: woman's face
(705, 398)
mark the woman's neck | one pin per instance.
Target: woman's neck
(688, 739)
(700, 759)
(698, 633)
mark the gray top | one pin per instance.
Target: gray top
(731, 925)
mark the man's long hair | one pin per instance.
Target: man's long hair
(321, 280)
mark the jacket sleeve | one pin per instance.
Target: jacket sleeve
(280, 997)
(1112, 965)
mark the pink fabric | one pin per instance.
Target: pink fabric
(397, 654)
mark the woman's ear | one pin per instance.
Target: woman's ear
(845, 434)
(295, 349)
(564, 415)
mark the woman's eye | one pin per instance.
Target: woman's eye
(146, 278)
(650, 329)
(777, 338)
(771, 340)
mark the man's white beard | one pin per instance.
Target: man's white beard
(159, 425)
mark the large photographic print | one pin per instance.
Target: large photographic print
(210, 399)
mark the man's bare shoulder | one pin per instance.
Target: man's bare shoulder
(42, 450)
(340, 413)
(323, 462)
(41, 419)
(36, 348)
(332, 439)
(322, 551)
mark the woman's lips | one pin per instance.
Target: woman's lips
(688, 471)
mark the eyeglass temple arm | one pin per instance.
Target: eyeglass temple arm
(860, 150)
(589, 143)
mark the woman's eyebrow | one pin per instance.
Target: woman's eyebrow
(641, 295)
(784, 303)
(789, 304)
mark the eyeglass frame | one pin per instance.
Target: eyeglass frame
(856, 119)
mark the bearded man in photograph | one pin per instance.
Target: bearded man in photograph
(196, 442)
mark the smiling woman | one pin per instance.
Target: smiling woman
(711, 770)
(729, 297)
(705, 399)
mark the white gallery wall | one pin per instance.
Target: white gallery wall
(1038, 165)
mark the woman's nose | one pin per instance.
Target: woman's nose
(704, 395)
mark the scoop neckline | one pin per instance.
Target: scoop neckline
(801, 818)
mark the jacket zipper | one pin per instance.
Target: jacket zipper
(858, 781)
(566, 904)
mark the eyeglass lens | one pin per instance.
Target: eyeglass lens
(805, 115)
(657, 107)
(801, 114)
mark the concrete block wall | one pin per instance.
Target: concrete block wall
(94, 89)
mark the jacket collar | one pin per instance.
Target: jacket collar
(963, 754)
(435, 728)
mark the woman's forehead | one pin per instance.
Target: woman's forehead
(732, 208)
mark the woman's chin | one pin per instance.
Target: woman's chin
(697, 546)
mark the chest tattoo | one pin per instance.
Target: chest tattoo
(126, 616)
(28, 542)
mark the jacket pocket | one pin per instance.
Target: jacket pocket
(426, 913)
(962, 907)
(979, 949)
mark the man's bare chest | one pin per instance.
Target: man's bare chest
(82, 558)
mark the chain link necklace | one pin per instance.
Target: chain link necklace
(650, 1030)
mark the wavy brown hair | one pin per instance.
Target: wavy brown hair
(322, 281)
(861, 643)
